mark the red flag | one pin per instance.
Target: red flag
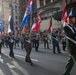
(64, 16)
(36, 25)
(50, 25)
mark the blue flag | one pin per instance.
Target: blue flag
(27, 13)
(1, 29)
(12, 19)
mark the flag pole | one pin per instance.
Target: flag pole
(30, 21)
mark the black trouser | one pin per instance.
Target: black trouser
(6, 43)
(64, 45)
(46, 43)
(36, 45)
(11, 53)
(28, 52)
(3, 43)
(0, 47)
(56, 44)
(33, 43)
(22, 45)
(69, 65)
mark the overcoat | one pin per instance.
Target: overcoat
(71, 33)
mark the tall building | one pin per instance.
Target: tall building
(5, 12)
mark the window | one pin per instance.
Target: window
(65, 1)
(15, 6)
(15, 1)
(52, 1)
(71, 1)
(41, 3)
(16, 23)
(55, 0)
(48, 1)
(16, 17)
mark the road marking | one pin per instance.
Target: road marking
(1, 72)
(0, 56)
(1, 60)
(24, 57)
(35, 60)
(10, 66)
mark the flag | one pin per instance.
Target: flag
(33, 26)
(1, 29)
(12, 20)
(71, 12)
(16, 30)
(24, 29)
(36, 25)
(50, 25)
(30, 1)
(64, 17)
(27, 13)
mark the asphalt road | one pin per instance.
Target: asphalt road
(45, 62)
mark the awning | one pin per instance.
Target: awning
(58, 15)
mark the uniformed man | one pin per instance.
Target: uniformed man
(70, 33)
(11, 43)
(0, 44)
(45, 40)
(55, 42)
(28, 48)
(36, 41)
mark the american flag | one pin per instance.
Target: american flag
(27, 13)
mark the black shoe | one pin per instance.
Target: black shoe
(44, 48)
(0, 52)
(26, 60)
(59, 52)
(31, 64)
(54, 52)
(12, 56)
(63, 50)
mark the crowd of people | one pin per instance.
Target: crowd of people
(35, 39)
(28, 41)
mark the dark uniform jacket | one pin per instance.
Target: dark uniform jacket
(27, 43)
(10, 39)
(54, 38)
(70, 32)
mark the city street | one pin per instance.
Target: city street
(45, 62)
(40, 22)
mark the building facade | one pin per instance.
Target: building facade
(48, 8)
(5, 12)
